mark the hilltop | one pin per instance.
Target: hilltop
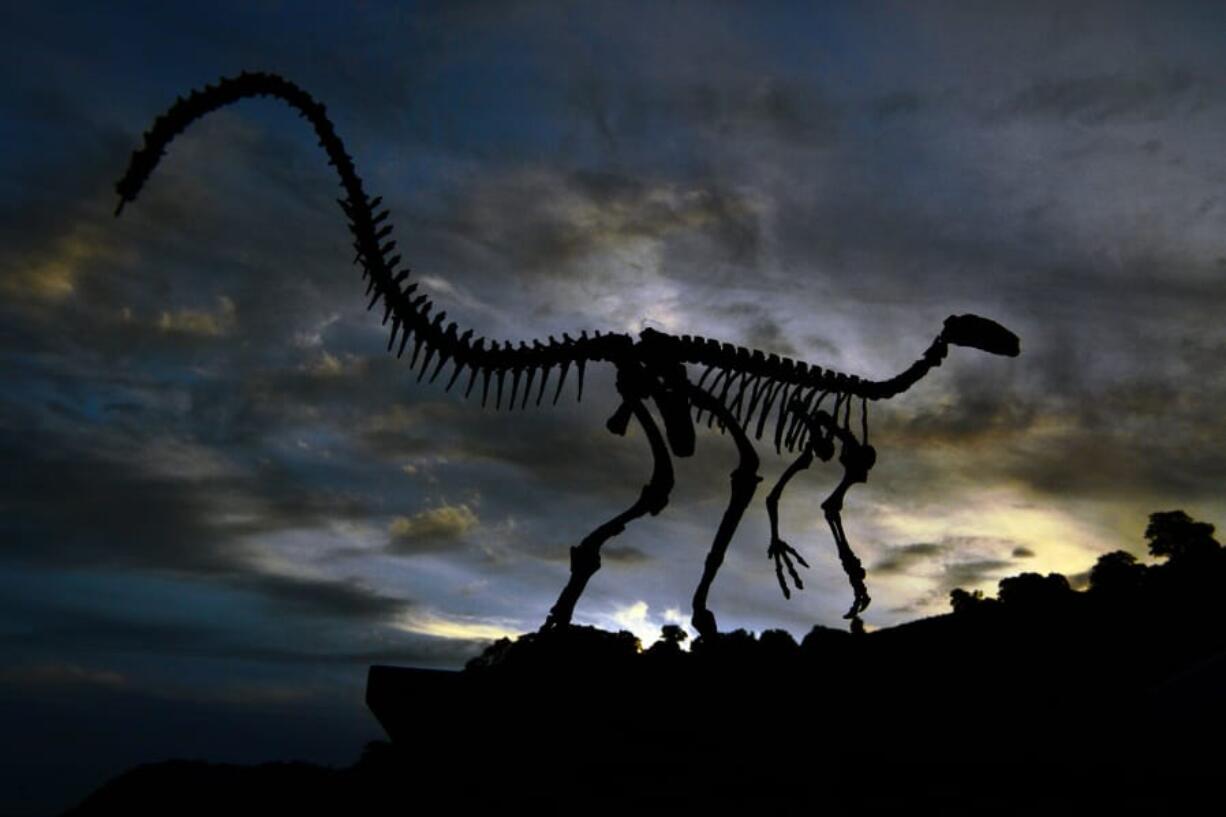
(1043, 699)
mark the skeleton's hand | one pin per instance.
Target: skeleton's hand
(783, 553)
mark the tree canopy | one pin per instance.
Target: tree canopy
(1177, 536)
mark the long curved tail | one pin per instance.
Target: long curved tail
(408, 310)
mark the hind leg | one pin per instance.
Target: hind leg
(745, 481)
(585, 557)
(832, 508)
(856, 460)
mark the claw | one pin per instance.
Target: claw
(783, 554)
(858, 606)
(783, 585)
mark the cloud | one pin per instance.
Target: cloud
(973, 415)
(100, 511)
(759, 328)
(200, 322)
(42, 676)
(902, 557)
(184, 510)
(541, 222)
(259, 694)
(549, 449)
(621, 110)
(638, 619)
(1125, 96)
(922, 574)
(326, 597)
(47, 621)
(345, 365)
(898, 103)
(633, 618)
(460, 628)
(430, 530)
(51, 270)
(624, 555)
(971, 573)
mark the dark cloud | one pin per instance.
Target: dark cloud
(95, 633)
(797, 113)
(107, 513)
(1127, 460)
(343, 599)
(759, 329)
(1097, 99)
(971, 573)
(99, 512)
(71, 629)
(624, 555)
(955, 561)
(58, 674)
(580, 454)
(902, 557)
(897, 103)
(977, 413)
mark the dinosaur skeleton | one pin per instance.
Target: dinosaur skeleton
(742, 390)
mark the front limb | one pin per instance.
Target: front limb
(778, 549)
(819, 445)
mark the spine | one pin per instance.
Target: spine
(750, 383)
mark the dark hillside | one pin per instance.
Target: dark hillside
(1043, 700)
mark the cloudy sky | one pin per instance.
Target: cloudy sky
(222, 500)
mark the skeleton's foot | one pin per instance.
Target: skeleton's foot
(783, 553)
(859, 605)
(704, 623)
(555, 621)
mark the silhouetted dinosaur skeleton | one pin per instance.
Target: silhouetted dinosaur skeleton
(746, 386)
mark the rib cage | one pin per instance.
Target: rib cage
(748, 382)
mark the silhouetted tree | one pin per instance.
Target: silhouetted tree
(673, 634)
(777, 646)
(668, 646)
(1034, 591)
(825, 643)
(491, 656)
(963, 601)
(1177, 536)
(738, 647)
(584, 648)
(1117, 574)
